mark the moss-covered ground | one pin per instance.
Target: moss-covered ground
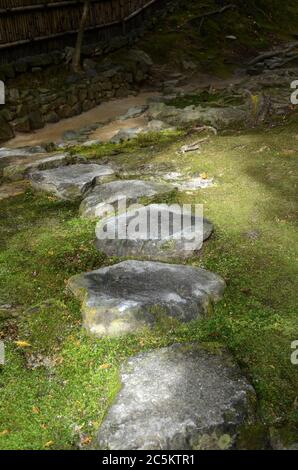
(60, 404)
(218, 43)
(57, 382)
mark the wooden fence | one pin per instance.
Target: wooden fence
(28, 27)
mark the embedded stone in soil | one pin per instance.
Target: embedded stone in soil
(154, 232)
(103, 198)
(72, 181)
(180, 397)
(131, 295)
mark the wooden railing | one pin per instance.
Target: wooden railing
(27, 22)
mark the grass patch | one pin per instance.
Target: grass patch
(60, 405)
(206, 99)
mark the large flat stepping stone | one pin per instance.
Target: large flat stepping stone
(95, 203)
(19, 156)
(22, 169)
(178, 398)
(151, 234)
(70, 182)
(14, 153)
(128, 296)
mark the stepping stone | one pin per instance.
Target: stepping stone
(156, 126)
(133, 112)
(21, 170)
(96, 202)
(20, 156)
(183, 397)
(126, 134)
(72, 181)
(193, 184)
(6, 152)
(128, 296)
(150, 233)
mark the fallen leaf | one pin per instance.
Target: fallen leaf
(204, 175)
(87, 440)
(48, 444)
(4, 433)
(35, 410)
(23, 344)
(105, 366)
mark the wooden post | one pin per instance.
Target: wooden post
(76, 61)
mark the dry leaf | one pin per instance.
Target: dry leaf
(48, 444)
(105, 366)
(4, 433)
(23, 344)
(87, 440)
(35, 410)
(204, 175)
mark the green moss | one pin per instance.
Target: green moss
(182, 35)
(253, 437)
(206, 99)
(45, 326)
(44, 242)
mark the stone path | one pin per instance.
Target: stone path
(70, 182)
(183, 396)
(155, 232)
(125, 297)
(131, 191)
(178, 398)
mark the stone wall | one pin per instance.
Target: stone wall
(28, 108)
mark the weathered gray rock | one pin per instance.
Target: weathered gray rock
(157, 126)
(6, 152)
(133, 112)
(193, 184)
(128, 296)
(183, 397)
(151, 233)
(218, 117)
(126, 134)
(89, 143)
(72, 181)
(141, 58)
(96, 203)
(21, 170)
(17, 160)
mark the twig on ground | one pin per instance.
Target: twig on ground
(203, 128)
(194, 146)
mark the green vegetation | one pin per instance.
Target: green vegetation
(206, 99)
(184, 36)
(58, 382)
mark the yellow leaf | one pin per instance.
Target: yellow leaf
(87, 440)
(204, 175)
(105, 366)
(4, 433)
(48, 444)
(23, 344)
(35, 410)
